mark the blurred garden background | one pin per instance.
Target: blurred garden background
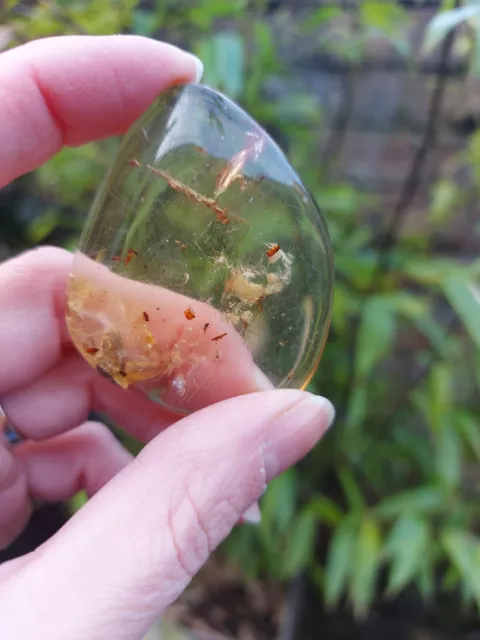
(376, 103)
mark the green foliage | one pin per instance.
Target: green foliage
(286, 534)
(223, 55)
(387, 491)
(464, 551)
(445, 22)
(465, 15)
(340, 558)
(407, 547)
(464, 297)
(365, 566)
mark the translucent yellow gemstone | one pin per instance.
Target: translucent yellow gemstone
(205, 266)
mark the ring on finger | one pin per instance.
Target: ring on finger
(9, 435)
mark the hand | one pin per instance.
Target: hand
(152, 521)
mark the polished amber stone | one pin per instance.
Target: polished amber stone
(205, 267)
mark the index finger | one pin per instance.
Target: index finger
(56, 91)
(70, 90)
(34, 336)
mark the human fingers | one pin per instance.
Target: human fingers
(15, 509)
(44, 391)
(33, 335)
(85, 458)
(182, 349)
(69, 90)
(65, 396)
(134, 547)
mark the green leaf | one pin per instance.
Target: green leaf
(426, 578)
(325, 510)
(320, 17)
(444, 22)
(473, 157)
(365, 566)
(408, 304)
(476, 373)
(384, 17)
(357, 269)
(265, 57)
(204, 14)
(262, 59)
(439, 396)
(376, 334)
(357, 409)
(242, 549)
(448, 456)
(469, 428)
(450, 580)
(475, 65)
(297, 109)
(444, 198)
(300, 544)
(42, 226)
(464, 297)
(170, 630)
(433, 332)
(463, 550)
(406, 547)
(352, 490)
(278, 516)
(70, 175)
(340, 558)
(224, 58)
(341, 200)
(77, 501)
(432, 271)
(422, 499)
(144, 22)
(416, 309)
(279, 502)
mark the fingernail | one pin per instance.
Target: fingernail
(198, 66)
(9, 435)
(252, 515)
(296, 430)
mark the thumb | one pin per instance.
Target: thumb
(130, 552)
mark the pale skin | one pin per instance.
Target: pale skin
(152, 522)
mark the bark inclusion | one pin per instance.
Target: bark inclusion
(203, 261)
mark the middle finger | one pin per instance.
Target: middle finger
(64, 397)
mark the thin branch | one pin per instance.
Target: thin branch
(340, 126)
(407, 194)
(414, 176)
(343, 115)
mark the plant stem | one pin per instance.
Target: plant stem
(401, 209)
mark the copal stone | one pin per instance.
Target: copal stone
(205, 268)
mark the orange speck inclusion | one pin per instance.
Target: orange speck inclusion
(111, 333)
(216, 338)
(273, 250)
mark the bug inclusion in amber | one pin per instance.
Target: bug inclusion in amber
(205, 269)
